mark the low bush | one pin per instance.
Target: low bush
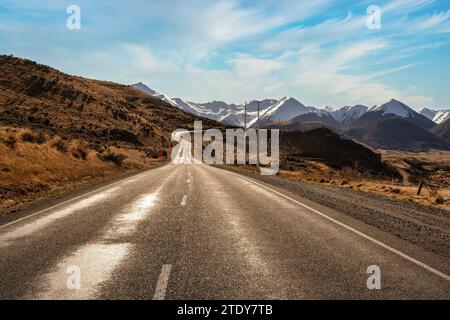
(60, 145)
(115, 158)
(98, 147)
(80, 151)
(10, 141)
(152, 154)
(28, 136)
(41, 138)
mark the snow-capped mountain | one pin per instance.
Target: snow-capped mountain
(346, 114)
(142, 87)
(283, 110)
(271, 110)
(394, 125)
(394, 107)
(438, 116)
(216, 110)
(442, 116)
(287, 109)
(429, 113)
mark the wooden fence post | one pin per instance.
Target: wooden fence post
(420, 186)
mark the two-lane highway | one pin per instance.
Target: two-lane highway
(198, 232)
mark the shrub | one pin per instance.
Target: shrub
(115, 158)
(10, 141)
(41, 138)
(80, 152)
(60, 145)
(28, 136)
(440, 200)
(152, 154)
(98, 147)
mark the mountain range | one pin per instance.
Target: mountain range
(392, 125)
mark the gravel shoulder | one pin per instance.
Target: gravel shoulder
(425, 226)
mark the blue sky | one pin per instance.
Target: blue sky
(318, 51)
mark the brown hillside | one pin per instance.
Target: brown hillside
(59, 132)
(443, 130)
(42, 98)
(328, 147)
(397, 134)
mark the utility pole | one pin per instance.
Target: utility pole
(245, 116)
(257, 139)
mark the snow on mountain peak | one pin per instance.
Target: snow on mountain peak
(395, 107)
(437, 116)
(430, 114)
(347, 113)
(441, 116)
(142, 87)
(287, 108)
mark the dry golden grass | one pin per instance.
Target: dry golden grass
(318, 173)
(436, 163)
(389, 189)
(29, 170)
(407, 192)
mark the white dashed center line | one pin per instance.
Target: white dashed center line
(163, 281)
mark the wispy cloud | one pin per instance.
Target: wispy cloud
(319, 51)
(438, 23)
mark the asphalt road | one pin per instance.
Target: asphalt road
(198, 232)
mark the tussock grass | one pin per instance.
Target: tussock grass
(80, 151)
(10, 140)
(28, 136)
(316, 172)
(60, 144)
(116, 158)
(29, 171)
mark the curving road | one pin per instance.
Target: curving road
(198, 232)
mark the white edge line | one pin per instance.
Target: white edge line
(163, 280)
(76, 198)
(381, 244)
